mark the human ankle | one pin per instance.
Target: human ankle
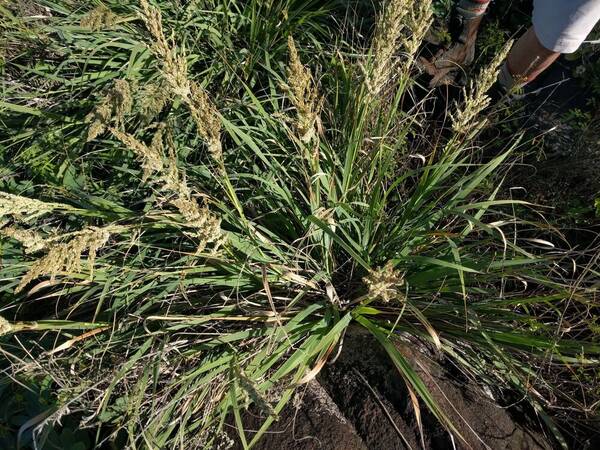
(509, 82)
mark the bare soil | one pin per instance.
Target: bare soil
(361, 402)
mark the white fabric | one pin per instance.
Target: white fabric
(563, 25)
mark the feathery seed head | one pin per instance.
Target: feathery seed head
(303, 95)
(206, 117)
(174, 67)
(66, 256)
(5, 326)
(175, 73)
(155, 96)
(98, 119)
(388, 30)
(419, 22)
(153, 20)
(151, 158)
(253, 393)
(122, 100)
(114, 106)
(194, 215)
(384, 283)
(207, 226)
(23, 208)
(99, 18)
(464, 120)
(31, 240)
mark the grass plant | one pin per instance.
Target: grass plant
(199, 198)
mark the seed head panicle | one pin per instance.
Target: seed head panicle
(157, 167)
(25, 209)
(420, 18)
(206, 226)
(151, 156)
(163, 170)
(174, 66)
(175, 72)
(253, 394)
(388, 31)
(122, 101)
(173, 180)
(155, 97)
(98, 119)
(206, 117)
(5, 326)
(153, 20)
(99, 18)
(465, 119)
(175, 69)
(303, 95)
(384, 283)
(66, 256)
(29, 239)
(114, 106)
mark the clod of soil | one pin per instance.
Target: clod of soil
(361, 402)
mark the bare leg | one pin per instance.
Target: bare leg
(528, 58)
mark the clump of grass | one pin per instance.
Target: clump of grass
(218, 279)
